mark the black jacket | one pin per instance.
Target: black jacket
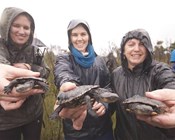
(66, 69)
(148, 76)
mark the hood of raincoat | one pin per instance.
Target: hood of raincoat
(74, 23)
(144, 37)
(7, 18)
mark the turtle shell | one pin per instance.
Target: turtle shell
(24, 84)
(75, 97)
(144, 106)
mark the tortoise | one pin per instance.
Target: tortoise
(24, 84)
(141, 105)
(84, 94)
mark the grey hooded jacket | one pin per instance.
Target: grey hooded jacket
(150, 75)
(9, 54)
(67, 70)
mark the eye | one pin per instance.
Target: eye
(83, 34)
(19, 26)
(130, 43)
(74, 34)
(141, 44)
(16, 25)
(26, 27)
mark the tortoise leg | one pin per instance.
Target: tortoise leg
(89, 106)
(8, 88)
(55, 113)
(43, 86)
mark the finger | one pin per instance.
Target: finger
(147, 119)
(10, 99)
(67, 86)
(163, 120)
(99, 108)
(72, 113)
(96, 105)
(160, 94)
(12, 105)
(78, 122)
(101, 111)
(79, 111)
(4, 82)
(18, 72)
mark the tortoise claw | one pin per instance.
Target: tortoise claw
(7, 90)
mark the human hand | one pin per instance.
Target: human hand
(6, 105)
(7, 74)
(166, 120)
(67, 86)
(99, 108)
(10, 72)
(22, 66)
(77, 115)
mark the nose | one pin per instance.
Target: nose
(136, 47)
(79, 37)
(21, 30)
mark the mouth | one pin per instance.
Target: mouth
(136, 56)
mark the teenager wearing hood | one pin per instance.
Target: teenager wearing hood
(17, 30)
(82, 66)
(138, 74)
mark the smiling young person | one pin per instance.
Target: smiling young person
(82, 66)
(17, 30)
(138, 74)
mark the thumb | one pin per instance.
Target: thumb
(162, 94)
(18, 72)
(78, 123)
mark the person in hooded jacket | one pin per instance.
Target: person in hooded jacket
(82, 66)
(17, 30)
(138, 74)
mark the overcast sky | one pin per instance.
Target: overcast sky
(109, 20)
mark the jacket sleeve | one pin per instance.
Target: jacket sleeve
(164, 77)
(4, 55)
(63, 70)
(4, 61)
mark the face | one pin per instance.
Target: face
(135, 52)
(79, 38)
(20, 30)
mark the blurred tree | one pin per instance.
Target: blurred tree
(52, 129)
